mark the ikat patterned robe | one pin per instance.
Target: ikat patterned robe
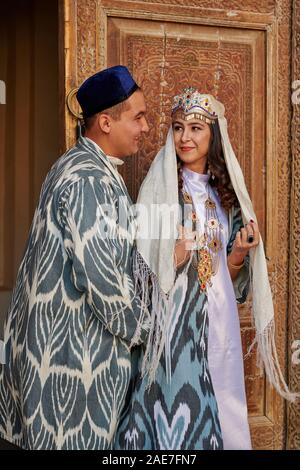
(74, 313)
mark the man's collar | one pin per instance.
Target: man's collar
(113, 160)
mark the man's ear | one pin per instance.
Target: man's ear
(104, 122)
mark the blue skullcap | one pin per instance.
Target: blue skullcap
(105, 89)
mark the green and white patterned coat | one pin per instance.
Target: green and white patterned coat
(74, 313)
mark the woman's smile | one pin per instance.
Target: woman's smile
(186, 148)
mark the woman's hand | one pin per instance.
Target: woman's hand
(184, 246)
(246, 238)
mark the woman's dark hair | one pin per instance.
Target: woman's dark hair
(219, 177)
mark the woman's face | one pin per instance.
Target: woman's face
(192, 141)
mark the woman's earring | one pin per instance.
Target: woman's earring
(210, 173)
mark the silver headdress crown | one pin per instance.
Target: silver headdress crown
(191, 104)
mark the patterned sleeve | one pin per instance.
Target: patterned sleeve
(242, 282)
(100, 252)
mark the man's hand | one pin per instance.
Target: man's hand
(184, 246)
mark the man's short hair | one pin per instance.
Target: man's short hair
(114, 112)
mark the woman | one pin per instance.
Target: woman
(195, 398)
(205, 184)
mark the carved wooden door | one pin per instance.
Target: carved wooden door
(227, 50)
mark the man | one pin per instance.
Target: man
(74, 313)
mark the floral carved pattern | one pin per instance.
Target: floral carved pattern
(265, 6)
(294, 313)
(283, 14)
(86, 39)
(163, 67)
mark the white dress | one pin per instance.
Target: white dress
(225, 355)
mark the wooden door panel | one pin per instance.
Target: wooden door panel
(164, 58)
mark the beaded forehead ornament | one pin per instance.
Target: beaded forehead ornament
(191, 104)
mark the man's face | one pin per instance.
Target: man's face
(126, 133)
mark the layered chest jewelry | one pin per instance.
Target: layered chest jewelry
(209, 242)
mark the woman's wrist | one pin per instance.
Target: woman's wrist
(236, 259)
(235, 266)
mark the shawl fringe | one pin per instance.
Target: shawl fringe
(268, 358)
(160, 303)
